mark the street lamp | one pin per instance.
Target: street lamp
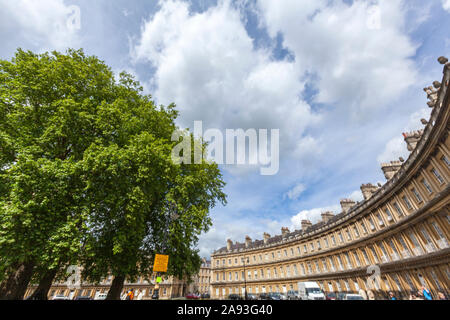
(245, 276)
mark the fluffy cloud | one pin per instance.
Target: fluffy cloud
(207, 63)
(446, 5)
(295, 192)
(312, 215)
(396, 147)
(353, 48)
(43, 24)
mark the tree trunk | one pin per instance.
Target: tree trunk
(41, 293)
(15, 286)
(116, 288)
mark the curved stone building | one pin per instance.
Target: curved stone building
(401, 229)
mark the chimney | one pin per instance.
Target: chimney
(347, 204)
(390, 169)
(368, 190)
(248, 241)
(266, 237)
(326, 216)
(306, 224)
(284, 231)
(412, 138)
(229, 244)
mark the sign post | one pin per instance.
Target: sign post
(160, 265)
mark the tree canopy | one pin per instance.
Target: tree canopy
(86, 175)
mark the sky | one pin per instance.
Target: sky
(340, 79)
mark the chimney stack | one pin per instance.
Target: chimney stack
(390, 169)
(306, 224)
(368, 190)
(248, 241)
(326, 216)
(347, 204)
(266, 237)
(284, 231)
(412, 138)
(229, 244)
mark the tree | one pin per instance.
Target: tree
(48, 104)
(87, 177)
(134, 189)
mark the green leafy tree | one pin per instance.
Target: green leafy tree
(86, 176)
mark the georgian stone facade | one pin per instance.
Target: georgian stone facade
(402, 227)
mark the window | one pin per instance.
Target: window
(436, 280)
(292, 251)
(312, 246)
(372, 225)
(349, 236)
(366, 257)
(405, 250)
(341, 267)
(347, 258)
(229, 278)
(355, 283)
(442, 242)
(438, 176)
(285, 253)
(364, 227)
(355, 229)
(298, 250)
(326, 242)
(394, 250)
(427, 186)
(358, 262)
(407, 202)
(341, 239)
(309, 267)
(374, 254)
(444, 158)
(324, 263)
(303, 269)
(429, 245)
(409, 281)
(266, 257)
(319, 247)
(262, 273)
(333, 240)
(388, 214)
(268, 273)
(417, 248)
(397, 282)
(279, 254)
(385, 256)
(295, 270)
(417, 195)
(229, 262)
(255, 274)
(398, 209)
(305, 249)
(380, 220)
(318, 267)
(333, 267)
(347, 287)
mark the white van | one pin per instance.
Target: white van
(310, 291)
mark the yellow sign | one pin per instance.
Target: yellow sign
(161, 263)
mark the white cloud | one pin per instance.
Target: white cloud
(351, 58)
(207, 63)
(396, 147)
(313, 215)
(44, 24)
(295, 192)
(446, 5)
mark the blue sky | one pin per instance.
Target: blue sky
(341, 80)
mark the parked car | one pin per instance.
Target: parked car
(234, 297)
(293, 295)
(351, 296)
(340, 296)
(264, 296)
(274, 296)
(101, 296)
(251, 296)
(82, 298)
(283, 296)
(60, 297)
(331, 296)
(205, 296)
(192, 296)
